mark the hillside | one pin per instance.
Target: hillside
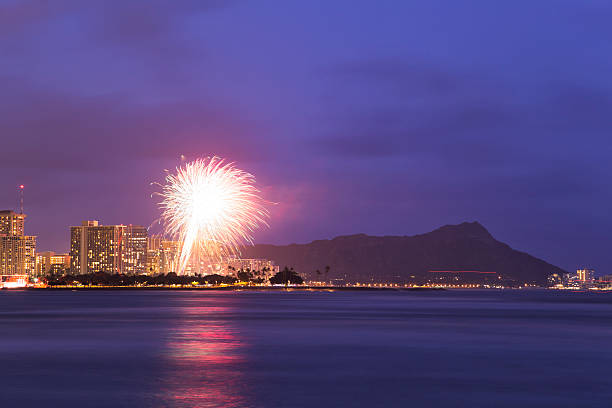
(364, 258)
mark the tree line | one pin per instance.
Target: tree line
(285, 277)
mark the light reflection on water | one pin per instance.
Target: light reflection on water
(305, 349)
(204, 355)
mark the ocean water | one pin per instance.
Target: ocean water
(138, 348)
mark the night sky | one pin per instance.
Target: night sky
(382, 117)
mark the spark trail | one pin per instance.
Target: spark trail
(211, 208)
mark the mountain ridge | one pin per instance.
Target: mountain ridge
(401, 258)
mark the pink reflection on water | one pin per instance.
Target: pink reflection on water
(205, 359)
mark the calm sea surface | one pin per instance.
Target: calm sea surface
(305, 349)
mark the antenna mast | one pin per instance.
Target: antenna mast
(21, 199)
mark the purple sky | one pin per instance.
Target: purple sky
(383, 117)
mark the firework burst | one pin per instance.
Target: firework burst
(211, 208)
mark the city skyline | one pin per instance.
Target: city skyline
(111, 249)
(131, 250)
(159, 232)
(347, 203)
(359, 118)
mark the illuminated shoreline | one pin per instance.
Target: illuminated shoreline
(238, 288)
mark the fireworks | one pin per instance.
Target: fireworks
(211, 208)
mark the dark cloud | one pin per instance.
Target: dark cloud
(110, 127)
(473, 121)
(416, 78)
(125, 20)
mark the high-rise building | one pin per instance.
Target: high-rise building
(586, 275)
(95, 248)
(135, 250)
(11, 223)
(17, 251)
(17, 255)
(108, 248)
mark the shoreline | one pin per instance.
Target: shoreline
(234, 288)
(240, 288)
